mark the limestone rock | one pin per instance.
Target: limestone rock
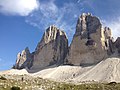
(91, 44)
(24, 59)
(107, 32)
(52, 49)
(117, 45)
(109, 41)
(88, 45)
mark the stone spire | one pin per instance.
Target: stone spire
(52, 48)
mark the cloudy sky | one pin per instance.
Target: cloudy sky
(22, 22)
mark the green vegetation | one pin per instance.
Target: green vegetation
(29, 83)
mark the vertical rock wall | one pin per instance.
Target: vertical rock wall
(91, 44)
(88, 44)
(52, 49)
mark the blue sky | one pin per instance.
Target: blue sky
(22, 22)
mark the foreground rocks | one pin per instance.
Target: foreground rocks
(44, 84)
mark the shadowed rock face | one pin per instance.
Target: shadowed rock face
(86, 25)
(117, 45)
(90, 43)
(52, 48)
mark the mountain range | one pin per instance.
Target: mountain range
(93, 54)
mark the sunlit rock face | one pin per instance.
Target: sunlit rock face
(24, 59)
(52, 49)
(90, 43)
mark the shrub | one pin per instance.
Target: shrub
(15, 88)
(3, 78)
(112, 83)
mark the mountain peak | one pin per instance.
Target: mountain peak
(91, 44)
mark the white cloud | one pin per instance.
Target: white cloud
(18, 7)
(64, 17)
(78, 1)
(115, 27)
(48, 8)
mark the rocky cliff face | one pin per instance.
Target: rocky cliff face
(90, 43)
(52, 48)
(117, 45)
(24, 59)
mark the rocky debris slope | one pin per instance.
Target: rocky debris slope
(51, 50)
(91, 42)
(106, 71)
(14, 72)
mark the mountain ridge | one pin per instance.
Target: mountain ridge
(91, 44)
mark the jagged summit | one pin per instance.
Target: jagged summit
(24, 59)
(91, 44)
(51, 34)
(52, 49)
(87, 24)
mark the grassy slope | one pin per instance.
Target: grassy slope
(36, 83)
